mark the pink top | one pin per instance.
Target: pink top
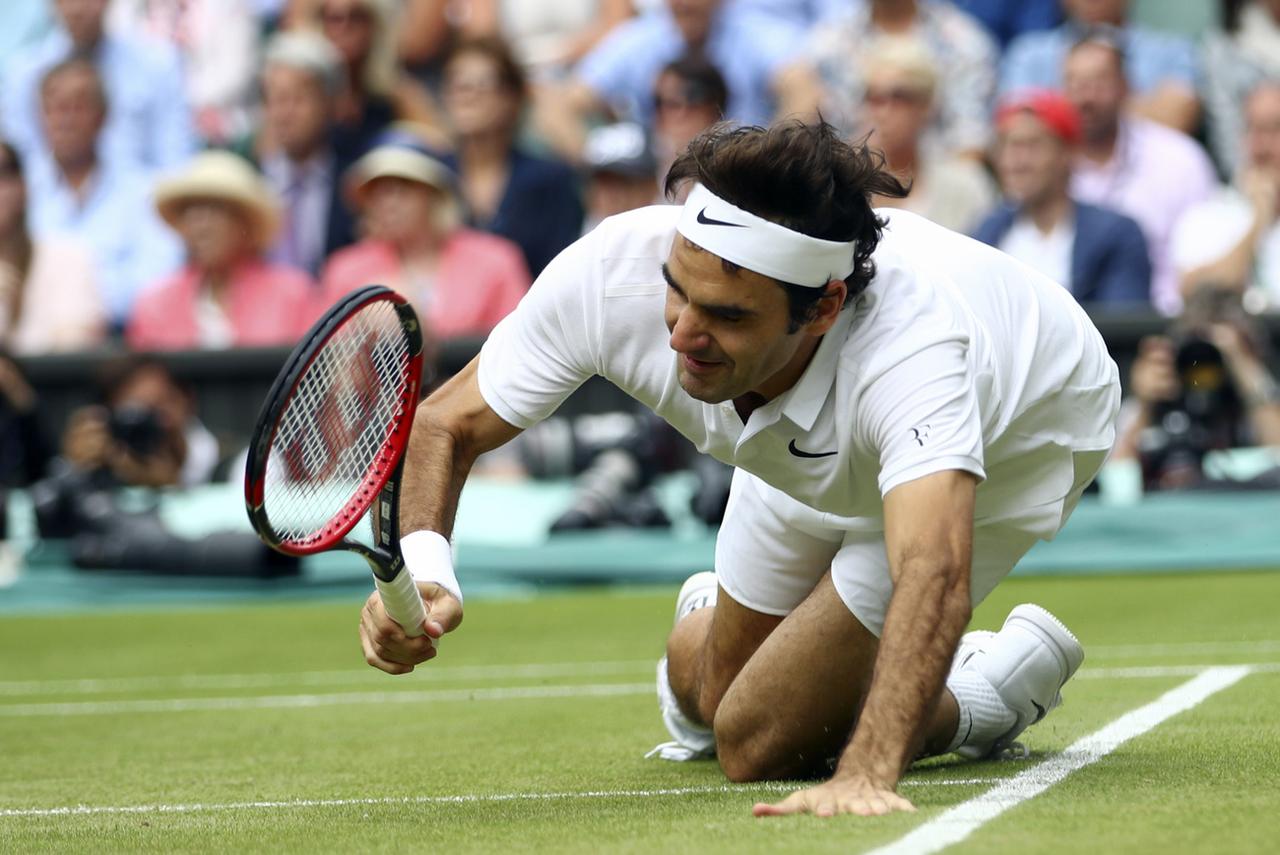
(479, 280)
(1154, 176)
(62, 308)
(267, 304)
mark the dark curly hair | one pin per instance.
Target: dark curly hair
(803, 176)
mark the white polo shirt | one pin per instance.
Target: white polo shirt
(955, 357)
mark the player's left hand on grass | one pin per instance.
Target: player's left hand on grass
(856, 794)
(387, 648)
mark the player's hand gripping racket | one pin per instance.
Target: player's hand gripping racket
(331, 439)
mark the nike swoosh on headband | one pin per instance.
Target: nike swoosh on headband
(707, 221)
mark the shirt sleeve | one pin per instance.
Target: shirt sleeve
(545, 349)
(1157, 58)
(921, 415)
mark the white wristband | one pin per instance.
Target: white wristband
(429, 558)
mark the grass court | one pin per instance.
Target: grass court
(259, 728)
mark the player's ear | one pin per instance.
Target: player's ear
(828, 307)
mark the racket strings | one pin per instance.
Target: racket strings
(330, 443)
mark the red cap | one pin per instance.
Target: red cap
(1046, 105)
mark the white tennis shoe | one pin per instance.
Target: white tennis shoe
(1007, 681)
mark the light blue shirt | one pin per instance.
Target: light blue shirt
(148, 118)
(25, 21)
(1150, 58)
(131, 247)
(748, 49)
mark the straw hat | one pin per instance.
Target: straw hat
(397, 161)
(225, 177)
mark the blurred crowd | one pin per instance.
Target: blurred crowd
(205, 174)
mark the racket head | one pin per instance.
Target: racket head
(336, 423)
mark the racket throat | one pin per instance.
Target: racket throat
(385, 565)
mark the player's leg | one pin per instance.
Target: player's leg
(794, 704)
(761, 576)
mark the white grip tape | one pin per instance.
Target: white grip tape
(401, 599)
(428, 556)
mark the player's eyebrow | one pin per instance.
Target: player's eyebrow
(726, 311)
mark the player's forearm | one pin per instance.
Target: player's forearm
(927, 614)
(435, 471)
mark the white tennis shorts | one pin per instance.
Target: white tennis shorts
(772, 550)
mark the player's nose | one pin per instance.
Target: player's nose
(687, 335)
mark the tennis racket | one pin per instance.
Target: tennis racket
(331, 439)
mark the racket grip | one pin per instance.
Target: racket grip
(402, 601)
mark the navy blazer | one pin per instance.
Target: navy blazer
(540, 211)
(1109, 260)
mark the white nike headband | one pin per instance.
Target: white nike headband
(757, 244)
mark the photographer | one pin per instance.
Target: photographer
(1205, 387)
(145, 433)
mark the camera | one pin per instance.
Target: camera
(1203, 417)
(137, 428)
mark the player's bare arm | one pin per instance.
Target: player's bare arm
(452, 428)
(928, 536)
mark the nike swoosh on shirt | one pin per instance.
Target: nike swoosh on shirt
(810, 454)
(707, 221)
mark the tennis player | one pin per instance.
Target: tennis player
(908, 411)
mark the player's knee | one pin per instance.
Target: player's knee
(743, 747)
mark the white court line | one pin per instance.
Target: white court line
(1189, 648)
(454, 673)
(962, 820)
(771, 786)
(1140, 671)
(443, 673)
(166, 705)
(498, 693)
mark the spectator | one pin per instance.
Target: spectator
(1236, 58)
(1098, 254)
(898, 103)
(1131, 164)
(965, 55)
(623, 174)
(49, 299)
(1233, 240)
(1202, 388)
(547, 36)
(461, 281)
(1161, 68)
(101, 203)
(227, 294)
(1005, 20)
(217, 41)
(426, 28)
(530, 200)
(149, 124)
(751, 51)
(689, 96)
(376, 91)
(144, 433)
(300, 82)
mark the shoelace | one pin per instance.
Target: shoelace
(676, 752)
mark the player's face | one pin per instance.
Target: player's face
(729, 330)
